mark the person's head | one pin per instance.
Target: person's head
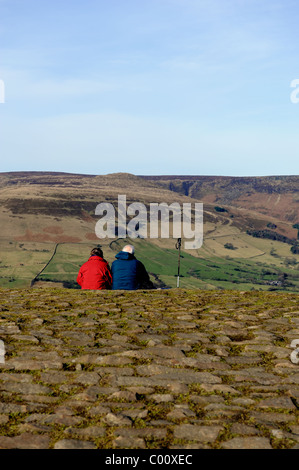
(129, 249)
(96, 252)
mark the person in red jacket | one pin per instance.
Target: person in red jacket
(95, 274)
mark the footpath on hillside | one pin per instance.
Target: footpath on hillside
(164, 369)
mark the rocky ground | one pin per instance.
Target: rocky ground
(165, 369)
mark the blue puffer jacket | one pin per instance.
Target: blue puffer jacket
(128, 273)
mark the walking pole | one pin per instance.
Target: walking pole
(178, 247)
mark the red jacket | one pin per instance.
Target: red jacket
(95, 274)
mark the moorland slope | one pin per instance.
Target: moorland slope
(48, 228)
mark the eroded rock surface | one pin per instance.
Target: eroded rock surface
(151, 369)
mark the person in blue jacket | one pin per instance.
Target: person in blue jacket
(128, 273)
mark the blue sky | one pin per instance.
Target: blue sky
(149, 87)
